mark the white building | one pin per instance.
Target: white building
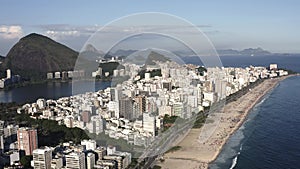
(89, 144)
(178, 109)
(41, 103)
(114, 107)
(90, 160)
(42, 158)
(96, 125)
(50, 75)
(57, 75)
(147, 76)
(8, 74)
(273, 66)
(110, 150)
(57, 163)
(14, 157)
(149, 123)
(75, 160)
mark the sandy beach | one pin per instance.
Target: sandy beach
(197, 152)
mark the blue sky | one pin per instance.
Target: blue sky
(273, 25)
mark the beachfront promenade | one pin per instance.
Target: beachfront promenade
(197, 149)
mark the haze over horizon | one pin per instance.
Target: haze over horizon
(229, 25)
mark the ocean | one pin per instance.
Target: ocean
(270, 136)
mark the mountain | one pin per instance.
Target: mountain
(1, 59)
(91, 48)
(35, 55)
(91, 53)
(154, 56)
(122, 52)
(255, 51)
(246, 52)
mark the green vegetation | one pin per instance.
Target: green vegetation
(156, 167)
(153, 73)
(201, 70)
(50, 133)
(243, 91)
(105, 140)
(110, 67)
(169, 119)
(290, 72)
(134, 163)
(25, 161)
(6, 109)
(173, 149)
(200, 120)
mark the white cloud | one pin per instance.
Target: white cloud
(57, 35)
(10, 31)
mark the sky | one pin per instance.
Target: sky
(272, 25)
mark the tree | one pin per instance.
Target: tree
(25, 161)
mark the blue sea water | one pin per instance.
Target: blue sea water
(270, 137)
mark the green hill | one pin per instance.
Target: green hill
(35, 55)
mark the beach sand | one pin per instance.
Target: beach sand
(198, 153)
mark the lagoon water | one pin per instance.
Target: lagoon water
(48, 90)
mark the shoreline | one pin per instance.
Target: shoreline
(194, 154)
(247, 112)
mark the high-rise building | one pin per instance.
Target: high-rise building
(126, 108)
(1, 127)
(167, 85)
(42, 158)
(1, 136)
(115, 158)
(1, 143)
(69, 121)
(90, 161)
(8, 74)
(57, 162)
(101, 152)
(96, 125)
(149, 124)
(86, 116)
(27, 139)
(141, 101)
(178, 109)
(75, 160)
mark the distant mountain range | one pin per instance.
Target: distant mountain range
(223, 52)
(245, 52)
(35, 55)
